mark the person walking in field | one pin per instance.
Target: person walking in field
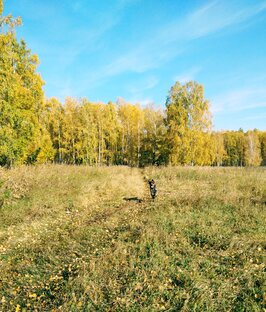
(153, 188)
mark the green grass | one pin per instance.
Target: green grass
(70, 242)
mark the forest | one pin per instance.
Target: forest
(35, 129)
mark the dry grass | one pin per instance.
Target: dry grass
(69, 242)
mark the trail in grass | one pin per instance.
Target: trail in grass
(132, 203)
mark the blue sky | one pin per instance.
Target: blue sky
(137, 49)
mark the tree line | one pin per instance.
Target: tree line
(34, 129)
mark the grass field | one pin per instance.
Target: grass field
(69, 241)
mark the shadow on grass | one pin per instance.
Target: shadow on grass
(134, 199)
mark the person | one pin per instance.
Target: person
(153, 188)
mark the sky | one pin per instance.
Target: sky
(137, 49)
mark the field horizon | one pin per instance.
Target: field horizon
(80, 238)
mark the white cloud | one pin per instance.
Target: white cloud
(188, 75)
(216, 16)
(172, 39)
(256, 117)
(239, 100)
(145, 84)
(155, 50)
(207, 20)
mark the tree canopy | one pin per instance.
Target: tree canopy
(189, 124)
(34, 129)
(21, 97)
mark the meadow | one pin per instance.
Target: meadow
(71, 241)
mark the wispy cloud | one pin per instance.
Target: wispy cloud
(147, 56)
(188, 75)
(138, 91)
(153, 49)
(145, 84)
(172, 38)
(257, 117)
(239, 100)
(218, 15)
(209, 19)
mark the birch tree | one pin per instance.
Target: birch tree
(188, 119)
(21, 97)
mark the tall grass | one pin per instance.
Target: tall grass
(70, 242)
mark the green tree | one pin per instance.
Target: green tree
(234, 144)
(262, 139)
(52, 120)
(188, 120)
(21, 95)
